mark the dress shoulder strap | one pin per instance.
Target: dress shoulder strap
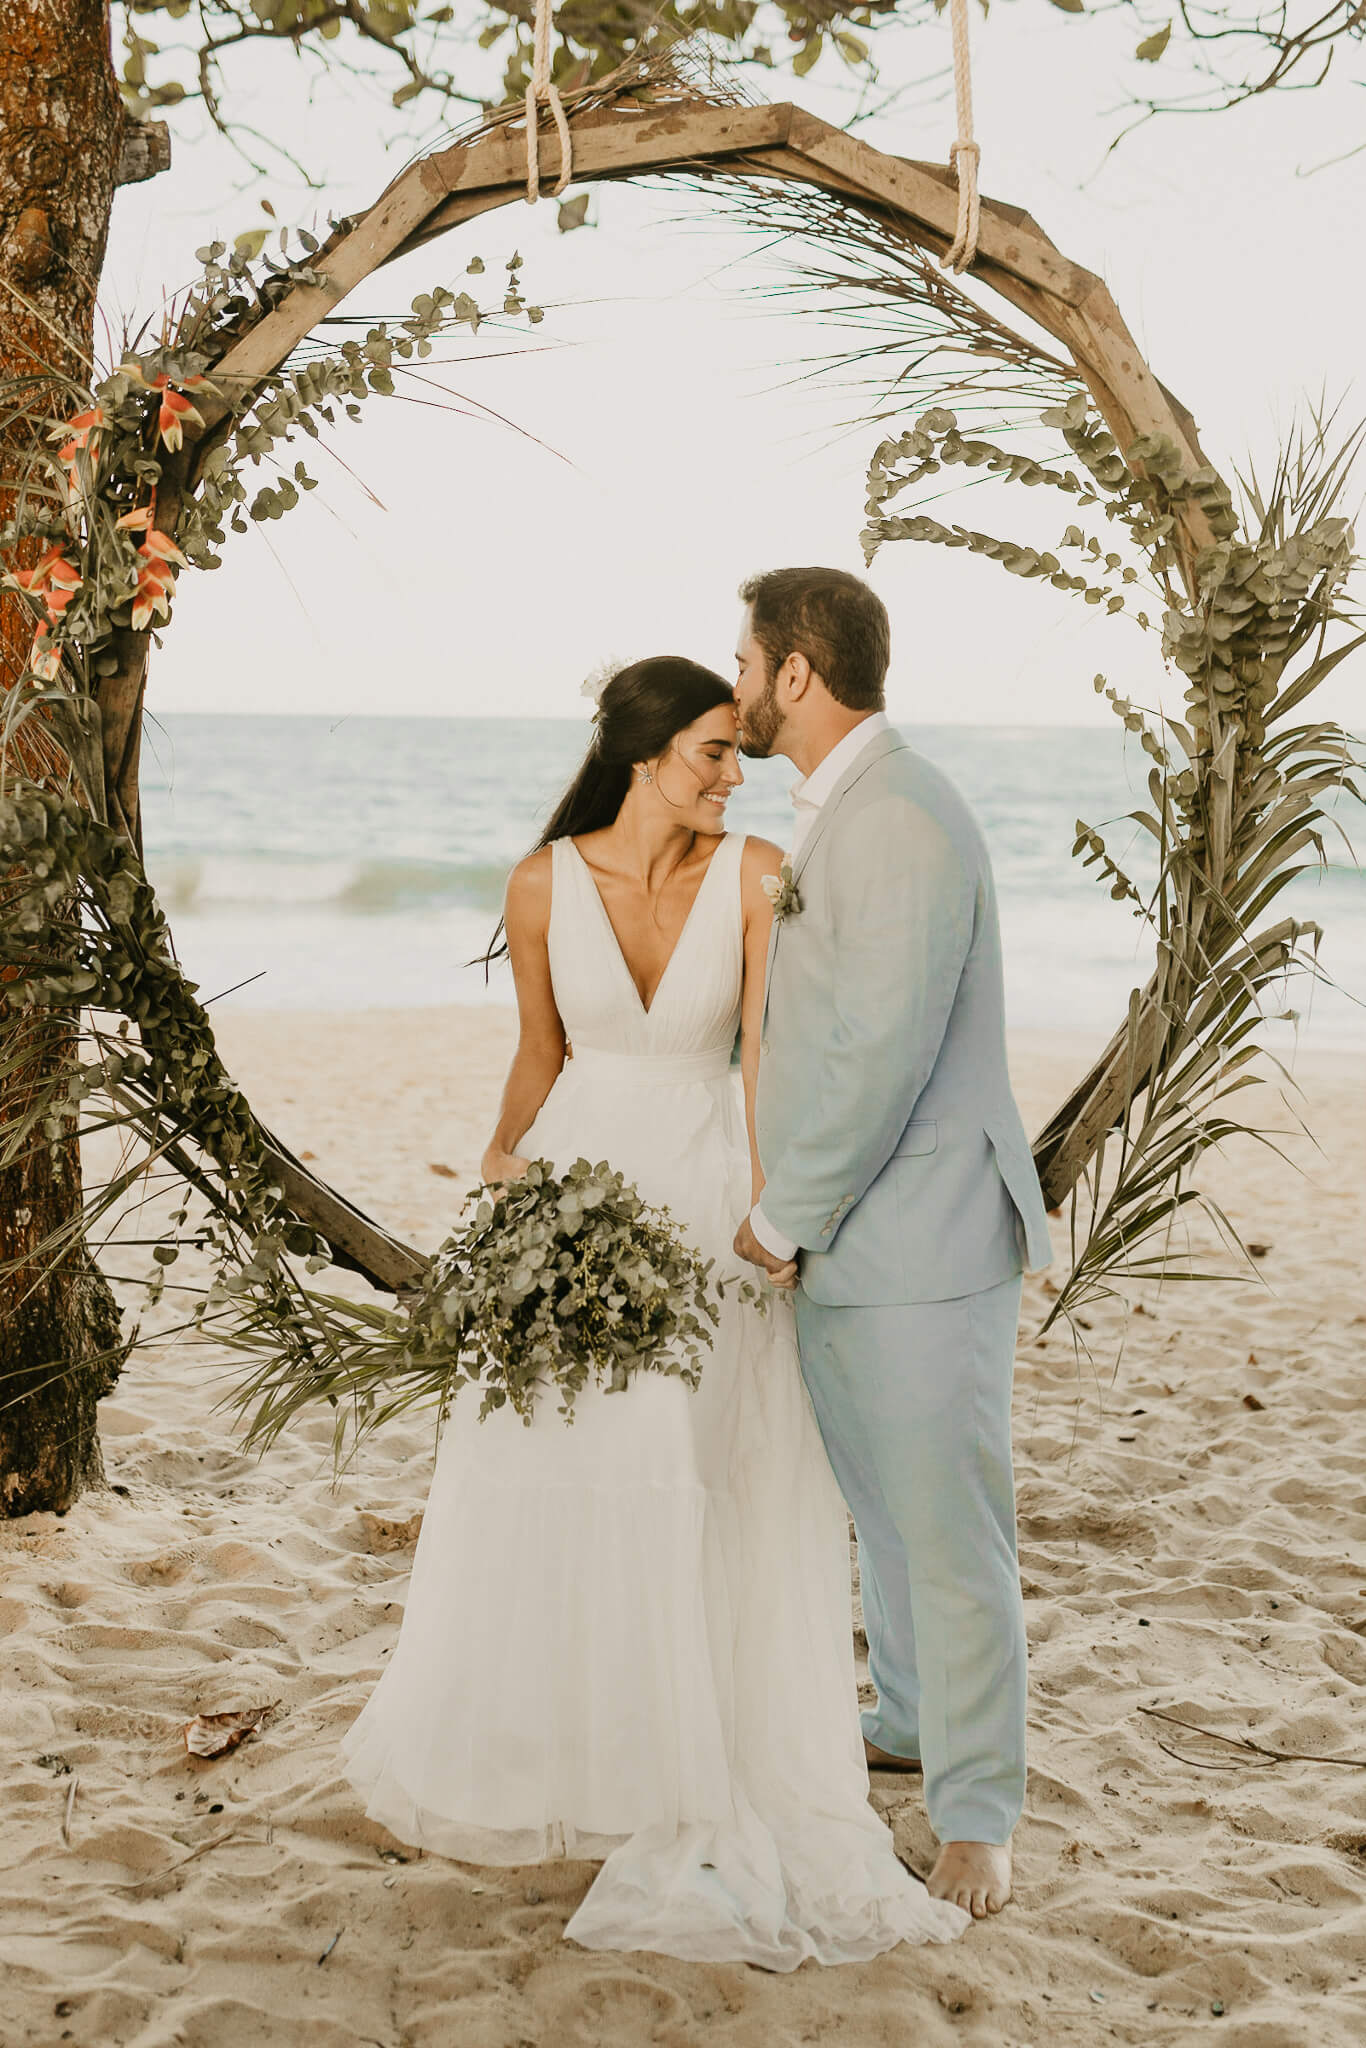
(734, 850)
(561, 878)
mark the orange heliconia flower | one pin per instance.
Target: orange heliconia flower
(52, 579)
(163, 548)
(149, 601)
(80, 429)
(176, 409)
(63, 581)
(34, 580)
(152, 599)
(44, 659)
(158, 560)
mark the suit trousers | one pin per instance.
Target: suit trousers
(913, 1402)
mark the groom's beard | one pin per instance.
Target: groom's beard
(761, 724)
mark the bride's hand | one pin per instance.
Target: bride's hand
(497, 1167)
(784, 1277)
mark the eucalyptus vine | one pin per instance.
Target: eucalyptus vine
(108, 515)
(1241, 799)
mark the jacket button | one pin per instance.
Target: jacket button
(763, 1045)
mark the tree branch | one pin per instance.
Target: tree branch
(145, 154)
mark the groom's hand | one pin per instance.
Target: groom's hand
(782, 1272)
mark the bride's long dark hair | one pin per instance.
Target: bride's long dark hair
(642, 708)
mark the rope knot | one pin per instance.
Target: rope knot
(964, 154)
(543, 91)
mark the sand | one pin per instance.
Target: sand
(1191, 1541)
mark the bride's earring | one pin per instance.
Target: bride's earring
(645, 775)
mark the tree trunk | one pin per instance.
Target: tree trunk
(61, 135)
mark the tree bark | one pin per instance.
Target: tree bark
(61, 137)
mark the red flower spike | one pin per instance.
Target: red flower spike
(156, 582)
(79, 427)
(35, 578)
(163, 548)
(52, 571)
(45, 661)
(175, 410)
(64, 573)
(150, 602)
(82, 429)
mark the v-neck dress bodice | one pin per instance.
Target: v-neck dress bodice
(631, 1638)
(695, 1011)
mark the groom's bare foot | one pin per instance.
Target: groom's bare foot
(883, 1760)
(975, 1875)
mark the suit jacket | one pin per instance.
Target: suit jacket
(891, 1142)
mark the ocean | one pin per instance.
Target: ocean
(359, 863)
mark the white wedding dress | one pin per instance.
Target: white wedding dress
(630, 1638)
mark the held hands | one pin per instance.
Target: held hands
(781, 1272)
(497, 1167)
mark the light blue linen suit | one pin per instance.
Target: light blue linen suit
(895, 1158)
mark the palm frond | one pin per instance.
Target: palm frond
(1244, 799)
(921, 338)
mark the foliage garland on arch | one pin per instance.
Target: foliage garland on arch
(1242, 791)
(142, 476)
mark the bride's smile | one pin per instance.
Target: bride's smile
(690, 784)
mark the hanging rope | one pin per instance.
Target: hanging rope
(964, 155)
(542, 92)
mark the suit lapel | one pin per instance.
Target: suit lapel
(876, 750)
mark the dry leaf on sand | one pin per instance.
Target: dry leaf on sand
(215, 1734)
(390, 1532)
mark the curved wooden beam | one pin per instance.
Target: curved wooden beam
(1015, 258)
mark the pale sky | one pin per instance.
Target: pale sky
(661, 450)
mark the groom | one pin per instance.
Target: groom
(898, 1171)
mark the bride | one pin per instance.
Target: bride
(629, 1639)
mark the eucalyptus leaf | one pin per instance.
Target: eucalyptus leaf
(1152, 47)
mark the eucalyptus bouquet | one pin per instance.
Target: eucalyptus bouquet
(559, 1282)
(551, 1283)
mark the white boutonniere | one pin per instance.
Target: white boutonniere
(781, 891)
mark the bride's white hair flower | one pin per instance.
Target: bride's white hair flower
(595, 685)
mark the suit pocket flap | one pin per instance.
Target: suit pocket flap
(921, 1135)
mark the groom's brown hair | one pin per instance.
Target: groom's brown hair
(831, 617)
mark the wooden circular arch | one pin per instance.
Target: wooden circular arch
(619, 140)
(622, 141)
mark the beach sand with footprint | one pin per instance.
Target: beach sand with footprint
(1191, 1531)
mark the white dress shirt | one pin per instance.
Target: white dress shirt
(808, 799)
